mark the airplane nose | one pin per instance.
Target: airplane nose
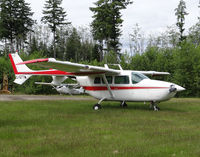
(179, 88)
(176, 88)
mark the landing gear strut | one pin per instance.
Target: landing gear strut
(154, 106)
(123, 104)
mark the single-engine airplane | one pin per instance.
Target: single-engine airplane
(103, 83)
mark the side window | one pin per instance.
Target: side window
(109, 79)
(137, 77)
(121, 80)
(97, 80)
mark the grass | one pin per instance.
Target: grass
(72, 128)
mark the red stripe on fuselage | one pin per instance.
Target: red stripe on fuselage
(101, 88)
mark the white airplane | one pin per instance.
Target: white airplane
(65, 89)
(102, 83)
(72, 89)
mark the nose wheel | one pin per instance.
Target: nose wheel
(123, 104)
(156, 108)
(153, 106)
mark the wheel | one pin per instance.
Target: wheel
(97, 107)
(155, 108)
(123, 104)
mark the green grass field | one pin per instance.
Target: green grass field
(72, 128)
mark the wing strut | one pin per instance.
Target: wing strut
(109, 89)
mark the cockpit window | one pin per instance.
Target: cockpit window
(97, 80)
(109, 79)
(121, 80)
(137, 77)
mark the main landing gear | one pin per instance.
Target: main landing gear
(154, 106)
(123, 104)
(98, 106)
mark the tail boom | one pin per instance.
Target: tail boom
(23, 73)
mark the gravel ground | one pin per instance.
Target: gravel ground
(41, 97)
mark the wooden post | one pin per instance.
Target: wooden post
(5, 85)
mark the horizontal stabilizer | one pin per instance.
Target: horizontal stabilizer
(20, 79)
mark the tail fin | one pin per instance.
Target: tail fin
(19, 69)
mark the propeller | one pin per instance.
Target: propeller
(172, 88)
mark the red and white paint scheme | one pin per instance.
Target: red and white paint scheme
(103, 83)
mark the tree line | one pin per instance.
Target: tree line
(174, 50)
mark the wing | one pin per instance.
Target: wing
(71, 67)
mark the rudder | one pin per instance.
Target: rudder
(19, 69)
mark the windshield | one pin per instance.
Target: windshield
(137, 77)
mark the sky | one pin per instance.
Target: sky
(153, 16)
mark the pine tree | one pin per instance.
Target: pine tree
(7, 21)
(15, 21)
(24, 22)
(54, 16)
(107, 23)
(73, 46)
(180, 12)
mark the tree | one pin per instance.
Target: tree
(73, 46)
(62, 37)
(180, 12)
(54, 16)
(137, 40)
(39, 40)
(24, 23)
(87, 44)
(194, 31)
(199, 7)
(166, 39)
(7, 21)
(15, 21)
(107, 23)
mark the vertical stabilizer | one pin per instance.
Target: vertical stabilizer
(19, 70)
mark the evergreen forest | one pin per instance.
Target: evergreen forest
(176, 50)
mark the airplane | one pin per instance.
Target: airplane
(72, 89)
(103, 83)
(65, 89)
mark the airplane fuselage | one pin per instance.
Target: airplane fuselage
(128, 86)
